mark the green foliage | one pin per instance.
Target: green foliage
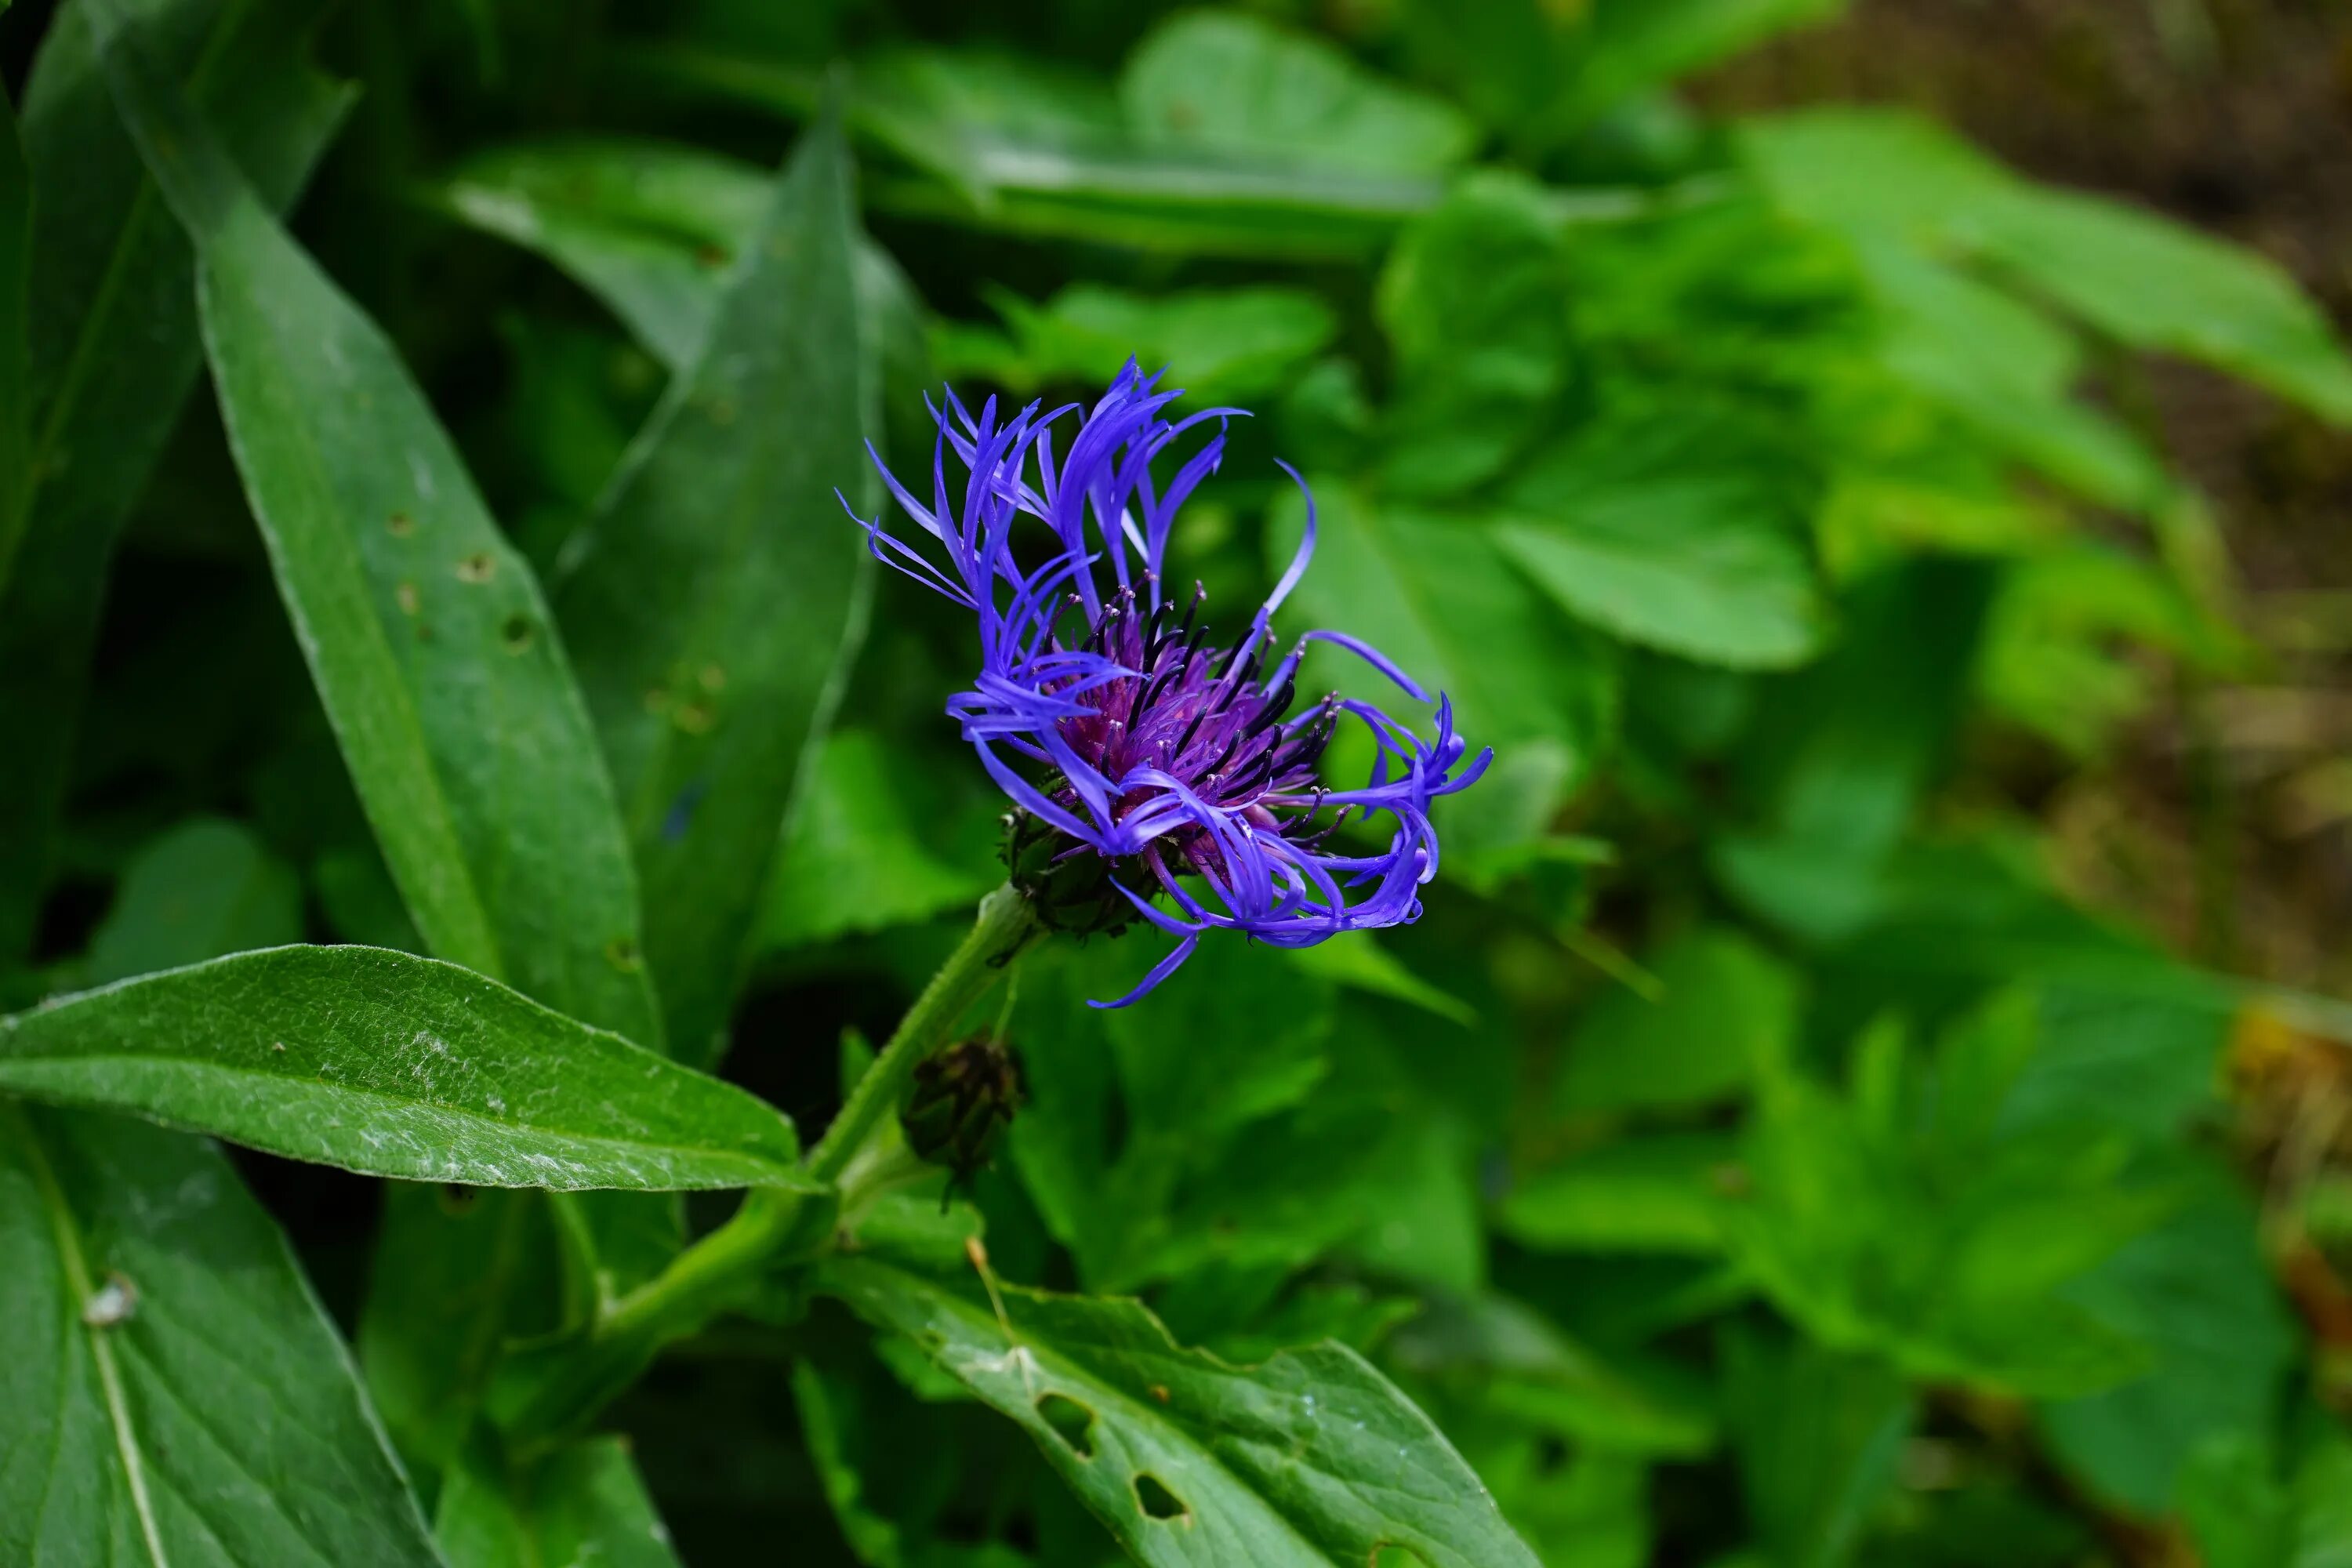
(189, 1400)
(1750, 1158)
(398, 1067)
(705, 697)
(1187, 1460)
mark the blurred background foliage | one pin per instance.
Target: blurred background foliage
(1870, 1087)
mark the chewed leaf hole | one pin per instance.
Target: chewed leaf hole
(1388, 1555)
(1072, 1422)
(1156, 1500)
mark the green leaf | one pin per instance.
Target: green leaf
(1014, 146)
(1214, 342)
(653, 229)
(458, 1273)
(1658, 1194)
(1591, 1510)
(2008, 371)
(1357, 960)
(427, 637)
(858, 1425)
(2067, 643)
(113, 353)
(1432, 595)
(1227, 83)
(2139, 278)
(1475, 299)
(716, 596)
(1511, 1360)
(581, 1504)
(2198, 1291)
(1212, 1133)
(1857, 739)
(649, 228)
(174, 1393)
(16, 354)
(1728, 1012)
(204, 889)
(1818, 1436)
(1672, 530)
(1912, 1218)
(394, 1066)
(1310, 1459)
(1635, 46)
(866, 850)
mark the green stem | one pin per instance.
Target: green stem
(1007, 924)
(573, 1379)
(681, 1296)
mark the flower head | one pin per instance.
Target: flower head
(1146, 761)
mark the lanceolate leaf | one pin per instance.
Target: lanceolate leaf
(173, 1394)
(1312, 1458)
(113, 353)
(718, 591)
(392, 1065)
(431, 647)
(652, 228)
(647, 227)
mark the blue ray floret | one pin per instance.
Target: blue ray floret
(1146, 763)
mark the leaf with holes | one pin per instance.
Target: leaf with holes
(113, 353)
(172, 1391)
(426, 635)
(1312, 1458)
(715, 596)
(394, 1066)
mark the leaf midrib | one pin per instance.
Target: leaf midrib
(70, 1258)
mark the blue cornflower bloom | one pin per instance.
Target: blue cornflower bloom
(1145, 762)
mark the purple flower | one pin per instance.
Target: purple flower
(1147, 762)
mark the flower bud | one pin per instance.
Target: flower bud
(964, 1098)
(1067, 883)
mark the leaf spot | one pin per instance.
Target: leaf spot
(1072, 1422)
(518, 632)
(110, 1303)
(401, 524)
(405, 596)
(479, 567)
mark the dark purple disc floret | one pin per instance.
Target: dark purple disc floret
(1146, 760)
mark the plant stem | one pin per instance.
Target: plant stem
(773, 1224)
(701, 1276)
(1007, 924)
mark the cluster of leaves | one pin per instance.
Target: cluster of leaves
(1750, 1159)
